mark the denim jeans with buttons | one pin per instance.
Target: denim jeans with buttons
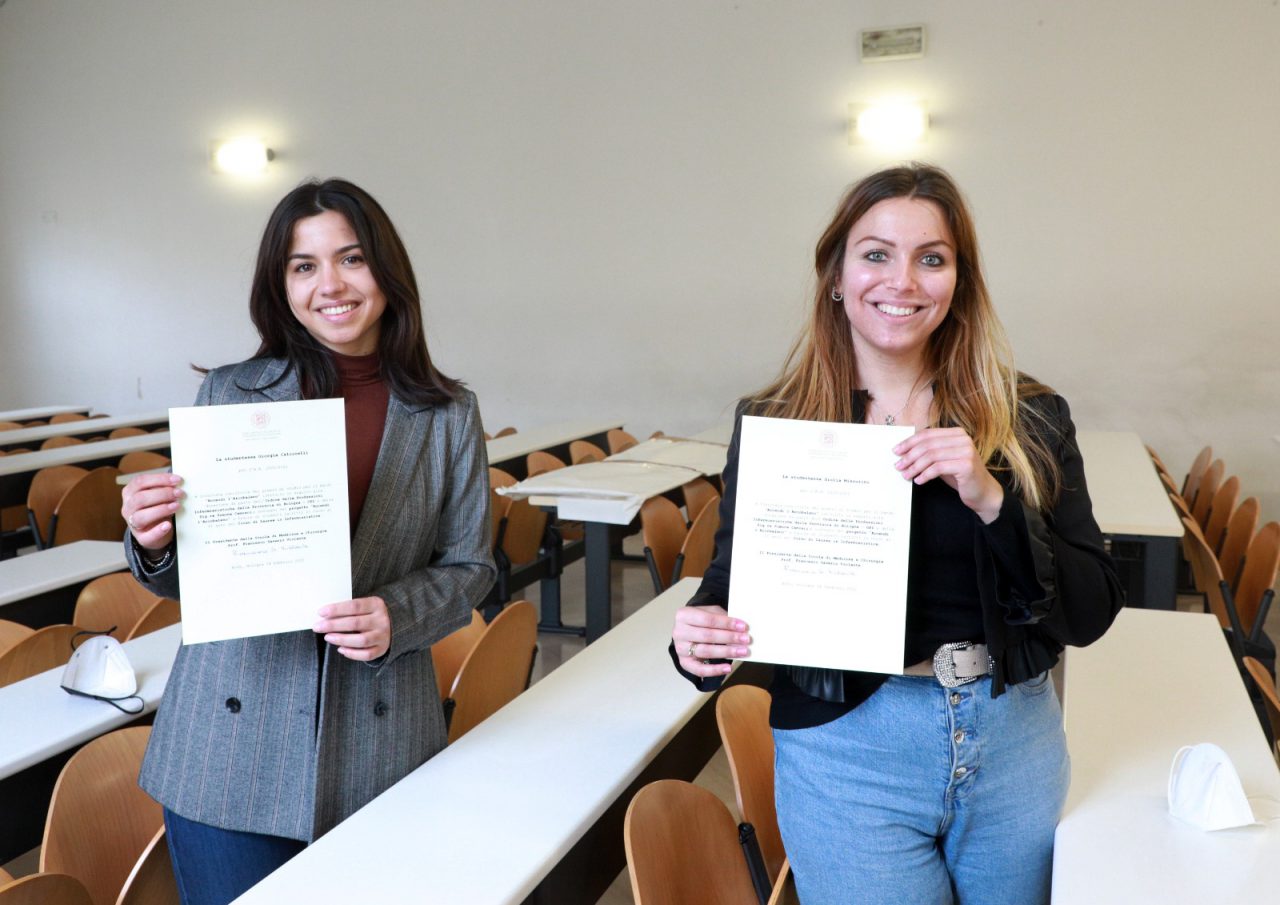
(925, 795)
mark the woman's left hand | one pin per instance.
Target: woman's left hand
(360, 628)
(949, 453)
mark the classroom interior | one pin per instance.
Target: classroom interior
(611, 208)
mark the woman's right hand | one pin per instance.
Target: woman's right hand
(705, 633)
(150, 500)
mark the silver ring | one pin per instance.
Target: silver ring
(132, 526)
(689, 652)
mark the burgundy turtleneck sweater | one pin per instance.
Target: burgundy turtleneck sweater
(366, 395)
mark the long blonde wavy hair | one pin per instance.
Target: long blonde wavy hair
(976, 386)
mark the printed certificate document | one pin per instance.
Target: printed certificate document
(263, 534)
(822, 530)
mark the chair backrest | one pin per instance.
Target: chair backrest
(142, 460)
(1191, 483)
(163, 612)
(9, 425)
(498, 504)
(618, 440)
(66, 417)
(585, 451)
(700, 542)
(44, 649)
(48, 486)
(1209, 485)
(11, 633)
(697, 493)
(541, 461)
(682, 848)
(1205, 570)
(121, 432)
(112, 602)
(59, 442)
(1176, 498)
(90, 509)
(448, 653)
(1235, 540)
(1261, 563)
(663, 529)
(742, 714)
(45, 889)
(151, 882)
(1156, 460)
(522, 524)
(1220, 510)
(99, 821)
(505, 432)
(496, 670)
(1270, 698)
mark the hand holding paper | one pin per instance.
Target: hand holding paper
(949, 453)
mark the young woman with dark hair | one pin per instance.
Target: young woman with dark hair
(262, 744)
(943, 784)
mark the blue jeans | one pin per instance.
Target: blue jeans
(925, 795)
(213, 866)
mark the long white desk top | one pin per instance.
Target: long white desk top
(521, 443)
(1127, 495)
(47, 570)
(1157, 681)
(41, 720)
(30, 436)
(44, 411)
(83, 452)
(483, 822)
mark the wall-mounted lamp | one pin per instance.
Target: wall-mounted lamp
(240, 156)
(890, 124)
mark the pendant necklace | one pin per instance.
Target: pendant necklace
(891, 418)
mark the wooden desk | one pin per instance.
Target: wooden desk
(41, 588)
(16, 472)
(1133, 508)
(508, 453)
(1155, 682)
(528, 806)
(32, 437)
(42, 412)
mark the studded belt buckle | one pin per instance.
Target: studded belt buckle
(961, 662)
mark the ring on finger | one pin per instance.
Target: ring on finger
(689, 652)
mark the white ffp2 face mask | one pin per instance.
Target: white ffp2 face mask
(100, 669)
(1205, 790)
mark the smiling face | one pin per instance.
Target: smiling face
(330, 287)
(898, 277)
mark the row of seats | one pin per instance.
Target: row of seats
(57, 442)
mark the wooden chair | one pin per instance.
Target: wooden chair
(100, 823)
(1220, 510)
(10, 425)
(581, 451)
(697, 493)
(59, 442)
(1205, 569)
(90, 509)
(112, 603)
(519, 529)
(48, 486)
(1157, 461)
(142, 460)
(11, 633)
(44, 649)
(498, 504)
(663, 530)
(1235, 540)
(1270, 698)
(121, 432)
(682, 848)
(1261, 564)
(164, 612)
(67, 417)
(151, 882)
(497, 669)
(449, 652)
(742, 715)
(784, 888)
(45, 889)
(1175, 497)
(5, 877)
(1191, 483)
(1209, 485)
(618, 440)
(505, 432)
(540, 462)
(699, 543)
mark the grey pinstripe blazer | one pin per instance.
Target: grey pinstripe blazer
(238, 742)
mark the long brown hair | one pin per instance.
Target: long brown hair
(976, 386)
(402, 343)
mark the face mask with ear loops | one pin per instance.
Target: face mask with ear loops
(100, 669)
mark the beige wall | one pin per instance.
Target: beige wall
(612, 206)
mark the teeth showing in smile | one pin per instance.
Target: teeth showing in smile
(338, 309)
(894, 310)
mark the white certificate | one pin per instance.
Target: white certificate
(263, 534)
(821, 536)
